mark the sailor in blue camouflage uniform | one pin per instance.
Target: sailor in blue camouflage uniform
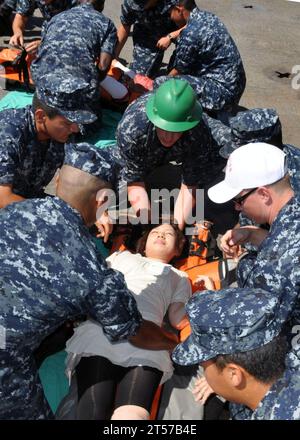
(84, 34)
(51, 272)
(236, 337)
(206, 52)
(151, 21)
(47, 8)
(255, 125)
(25, 8)
(32, 138)
(264, 183)
(163, 126)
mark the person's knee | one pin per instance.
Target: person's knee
(130, 412)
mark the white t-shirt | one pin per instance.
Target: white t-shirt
(155, 286)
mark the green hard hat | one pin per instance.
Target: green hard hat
(174, 106)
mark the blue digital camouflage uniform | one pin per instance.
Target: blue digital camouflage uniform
(276, 263)
(51, 272)
(27, 7)
(142, 152)
(207, 52)
(81, 33)
(255, 125)
(148, 27)
(25, 162)
(282, 402)
(239, 320)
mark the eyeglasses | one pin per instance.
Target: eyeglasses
(240, 200)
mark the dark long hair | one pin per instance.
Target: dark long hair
(180, 238)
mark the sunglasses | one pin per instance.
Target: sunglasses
(240, 200)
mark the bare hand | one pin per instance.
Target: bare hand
(105, 226)
(202, 391)
(232, 239)
(203, 282)
(33, 46)
(17, 40)
(163, 43)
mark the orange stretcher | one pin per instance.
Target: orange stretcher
(198, 262)
(15, 66)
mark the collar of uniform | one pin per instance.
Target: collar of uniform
(87, 5)
(31, 121)
(283, 219)
(193, 13)
(271, 398)
(71, 214)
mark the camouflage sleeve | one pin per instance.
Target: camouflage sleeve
(25, 7)
(280, 274)
(110, 39)
(186, 52)
(114, 307)
(8, 156)
(197, 167)
(130, 142)
(128, 16)
(293, 163)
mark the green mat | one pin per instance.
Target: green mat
(105, 136)
(53, 378)
(52, 370)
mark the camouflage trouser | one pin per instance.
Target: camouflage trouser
(146, 60)
(214, 96)
(21, 392)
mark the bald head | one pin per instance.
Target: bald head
(79, 189)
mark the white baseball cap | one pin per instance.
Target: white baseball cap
(250, 166)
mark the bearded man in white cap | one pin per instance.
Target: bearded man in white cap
(262, 182)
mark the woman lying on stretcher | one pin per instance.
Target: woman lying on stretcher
(118, 380)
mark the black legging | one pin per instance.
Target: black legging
(104, 386)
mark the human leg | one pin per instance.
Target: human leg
(96, 380)
(135, 393)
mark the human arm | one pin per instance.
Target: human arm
(105, 226)
(164, 42)
(33, 46)
(152, 337)
(7, 196)
(187, 52)
(176, 310)
(104, 64)
(107, 51)
(232, 239)
(135, 141)
(18, 27)
(138, 199)
(122, 34)
(177, 316)
(184, 204)
(10, 156)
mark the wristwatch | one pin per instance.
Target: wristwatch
(173, 40)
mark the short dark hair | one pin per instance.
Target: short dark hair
(180, 238)
(265, 364)
(50, 111)
(189, 5)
